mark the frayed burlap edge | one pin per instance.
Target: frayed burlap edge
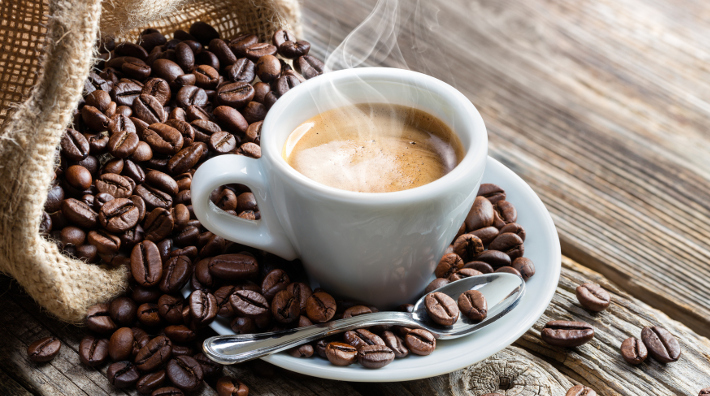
(63, 286)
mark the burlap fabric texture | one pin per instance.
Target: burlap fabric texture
(46, 52)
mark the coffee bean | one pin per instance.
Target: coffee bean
(285, 83)
(163, 139)
(661, 344)
(492, 192)
(146, 265)
(93, 351)
(468, 246)
(435, 284)
(258, 50)
(79, 213)
(54, 199)
(592, 296)
(148, 314)
(126, 92)
(154, 354)
(150, 382)
(341, 354)
(149, 109)
(509, 270)
(473, 305)
(122, 374)
(72, 236)
(94, 118)
(98, 319)
(633, 351)
(158, 223)
(486, 234)
(203, 307)
(494, 258)
(566, 333)
(274, 282)
(222, 142)
(115, 185)
(480, 215)
(294, 49)
(309, 66)
(123, 311)
(185, 372)
(284, 307)
(581, 390)
(180, 334)
(167, 391)
(448, 264)
(191, 95)
(505, 213)
(120, 344)
(375, 356)
(515, 228)
(395, 343)
(118, 215)
(78, 177)
(186, 158)
(355, 311)
(243, 70)
(227, 386)
(362, 337)
(420, 342)
(441, 308)
(525, 267)
(154, 198)
(301, 351)
(320, 307)
(44, 349)
(249, 303)
(510, 244)
(176, 273)
(232, 267)
(236, 94)
(463, 273)
(167, 70)
(206, 77)
(170, 308)
(74, 145)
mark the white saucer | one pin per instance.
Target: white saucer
(542, 246)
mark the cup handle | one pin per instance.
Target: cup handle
(267, 233)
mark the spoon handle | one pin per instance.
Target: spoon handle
(231, 349)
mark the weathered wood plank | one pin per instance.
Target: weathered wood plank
(10, 387)
(601, 106)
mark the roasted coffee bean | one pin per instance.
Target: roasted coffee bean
(162, 182)
(115, 185)
(355, 311)
(210, 369)
(185, 372)
(285, 308)
(704, 392)
(113, 166)
(130, 49)
(87, 253)
(249, 303)
(268, 68)
(118, 215)
(170, 308)
(395, 343)
(510, 244)
(301, 351)
(221, 50)
(284, 84)
(54, 199)
(146, 264)
(420, 342)
(661, 344)
(236, 94)
(79, 213)
(149, 109)
(448, 264)
(525, 267)
(93, 351)
(153, 197)
(341, 354)
(243, 325)
(581, 390)
(468, 246)
(94, 118)
(142, 295)
(139, 71)
(176, 273)
(203, 307)
(492, 192)
(375, 356)
(281, 36)
(167, 391)
(294, 49)
(120, 345)
(99, 99)
(185, 57)
(486, 234)
(157, 88)
(226, 200)
(232, 267)
(158, 223)
(104, 242)
(148, 314)
(123, 311)
(249, 149)
(592, 296)
(231, 120)
(463, 273)
(473, 305)
(222, 142)
(72, 236)
(509, 270)
(274, 282)
(78, 177)
(258, 50)
(44, 349)
(222, 295)
(481, 214)
(515, 228)
(163, 139)
(309, 66)
(566, 333)
(167, 70)
(207, 77)
(191, 95)
(254, 112)
(150, 382)
(154, 354)
(203, 32)
(441, 308)
(74, 145)
(98, 319)
(186, 158)
(204, 129)
(633, 351)
(227, 386)
(243, 70)
(261, 89)
(362, 337)
(180, 334)
(122, 374)
(126, 92)
(435, 284)
(505, 213)
(494, 257)
(320, 307)
(301, 292)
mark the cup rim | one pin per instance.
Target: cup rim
(475, 156)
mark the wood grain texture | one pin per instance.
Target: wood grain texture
(601, 106)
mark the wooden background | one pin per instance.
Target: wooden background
(602, 106)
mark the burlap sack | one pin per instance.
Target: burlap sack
(46, 52)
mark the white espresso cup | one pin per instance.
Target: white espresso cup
(378, 248)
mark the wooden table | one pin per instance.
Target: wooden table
(603, 108)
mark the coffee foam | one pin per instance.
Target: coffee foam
(373, 148)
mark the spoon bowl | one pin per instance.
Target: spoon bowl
(501, 290)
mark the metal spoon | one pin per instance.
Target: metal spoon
(502, 291)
